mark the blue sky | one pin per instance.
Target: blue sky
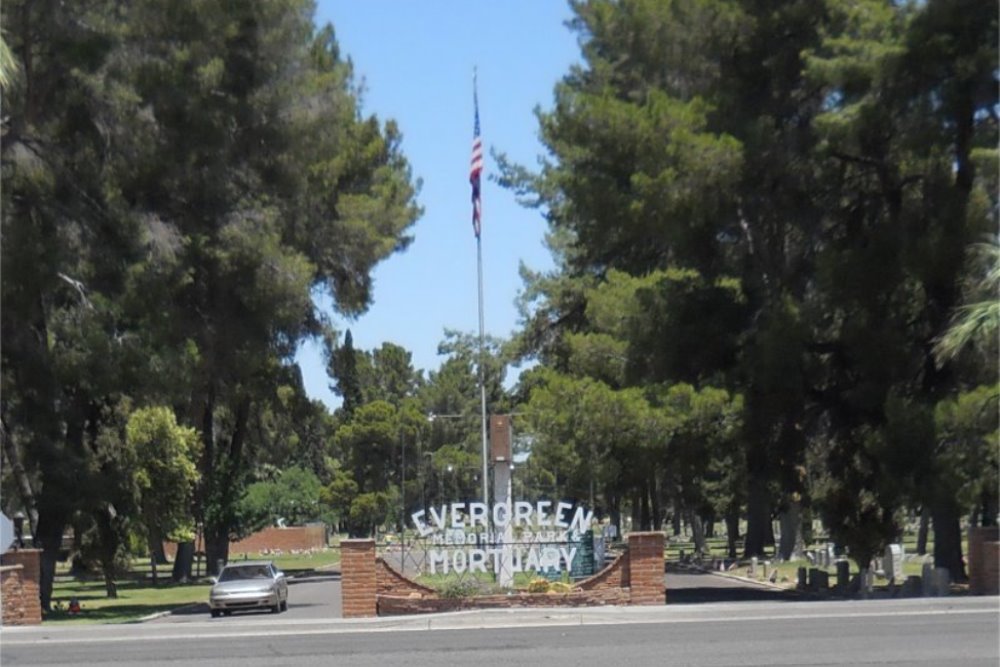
(416, 60)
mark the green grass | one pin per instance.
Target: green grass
(135, 600)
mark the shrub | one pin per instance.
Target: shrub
(560, 587)
(538, 585)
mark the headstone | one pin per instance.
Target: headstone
(811, 557)
(942, 582)
(913, 586)
(892, 563)
(843, 574)
(819, 580)
(753, 566)
(927, 580)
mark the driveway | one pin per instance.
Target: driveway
(313, 597)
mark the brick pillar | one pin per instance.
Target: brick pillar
(30, 561)
(645, 568)
(982, 560)
(357, 578)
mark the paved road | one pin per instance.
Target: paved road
(311, 598)
(694, 587)
(938, 632)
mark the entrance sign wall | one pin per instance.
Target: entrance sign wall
(371, 587)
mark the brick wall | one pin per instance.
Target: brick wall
(984, 561)
(645, 568)
(371, 587)
(613, 576)
(293, 538)
(19, 577)
(358, 581)
(390, 582)
(396, 605)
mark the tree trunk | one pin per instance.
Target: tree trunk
(791, 531)
(216, 551)
(758, 518)
(79, 566)
(697, 531)
(646, 516)
(925, 520)
(616, 513)
(708, 520)
(182, 562)
(13, 455)
(988, 508)
(156, 550)
(733, 528)
(49, 535)
(636, 511)
(109, 543)
(948, 539)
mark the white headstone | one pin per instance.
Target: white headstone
(892, 563)
(6, 532)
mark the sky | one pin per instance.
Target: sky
(416, 60)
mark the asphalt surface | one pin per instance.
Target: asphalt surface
(311, 597)
(942, 631)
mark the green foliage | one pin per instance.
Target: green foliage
(293, 497)
(166, 474)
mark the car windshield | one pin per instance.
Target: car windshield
(245, 572)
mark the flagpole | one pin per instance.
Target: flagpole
(482, 339)
(482, 382)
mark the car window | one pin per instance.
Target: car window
(239, 572)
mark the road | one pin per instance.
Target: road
(310, 598)
(939, 632)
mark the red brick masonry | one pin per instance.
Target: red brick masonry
(984, 561)
(293, 538)
(370, 587)
(19, 576)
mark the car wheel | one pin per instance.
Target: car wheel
(216, 613)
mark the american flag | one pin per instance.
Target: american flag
(476, 171)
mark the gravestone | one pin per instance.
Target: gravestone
(892, 563)
(843, 574)
(942, 582)
(913, 586)
(819, 580)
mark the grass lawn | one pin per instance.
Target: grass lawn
(135, 600)
(137, 597)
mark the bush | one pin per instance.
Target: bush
(459, 589)
(538, 585)
(560, 587)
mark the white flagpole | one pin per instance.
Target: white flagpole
(482, 343)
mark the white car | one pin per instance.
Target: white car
(249, 584)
